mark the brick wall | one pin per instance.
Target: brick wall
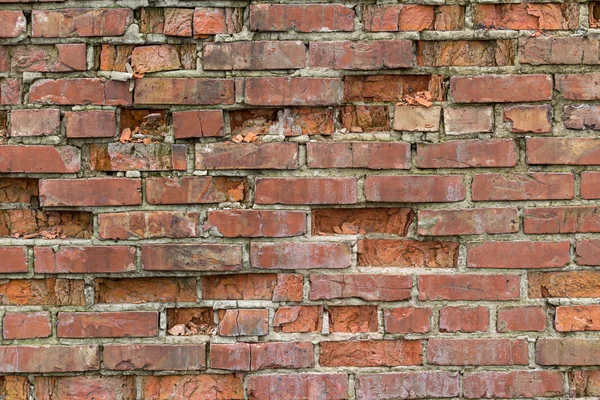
(280, 201)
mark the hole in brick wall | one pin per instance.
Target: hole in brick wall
(249, 124)
(358, 119)
(31, 223)
(143, 124)
(18, 190)
(350, 221)
(594, 15)
(190, 321)
(4, 124)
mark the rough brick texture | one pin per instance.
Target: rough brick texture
(299, 200)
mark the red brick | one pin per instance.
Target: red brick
(477, 352)
(518, 254)
(282, 355)
(229, 155)
(558, 50)
(371, 353)
(272, 287)
(530, 186)
(50, 58)
(361, 118)
(34, 122)
(474, 221)
(212, 21)
(233, 357)
(407, 253)
(154, 357)
(353, 319)
(567, 351)
(49, 359)
(589, 184)
(14, 259)
(194, 190)
(244, 322)
(61, 159)
(521, 319)
(415, 118)
(412, 17)
(137, 157)
(390, 88)
(193, 387)
(415, 188)
(42, 292)
(575, 284)
(80, 91)
(563, 151)
(368, 287)
(465, 53)
(518, 16)
(148, 59)
(535, 119)
(115, 57)
(581, 116)
(257, 356)
(256, 223)
(292, 387)
(178, 22)
(467, 154)
(468, 287)
(464, 319)
(301, 17)
(198, 123)
(358, 155)
(513, 384)
(349, 221)
(93, 192)
(465, 120)
(407, 385)
(107, 324)
(192, 257)
(306, 191)
(407, 320)
(362, 55)
(70, 259)
(10, 91)
(81, 22)
(579, 86)
(577, 318)
(145, 290)
(24, 325)
(12, 23)
(147, 225)
(298, 319)
(318, 255)
(584, 383)
(81, 387)
(501, 88)
(90, 124)
(184, 91)
(280, 91)
(258, 55)
(580, 219)
(588, 252)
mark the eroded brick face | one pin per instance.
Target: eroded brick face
(299, 200)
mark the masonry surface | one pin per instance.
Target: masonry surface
(226, 200)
